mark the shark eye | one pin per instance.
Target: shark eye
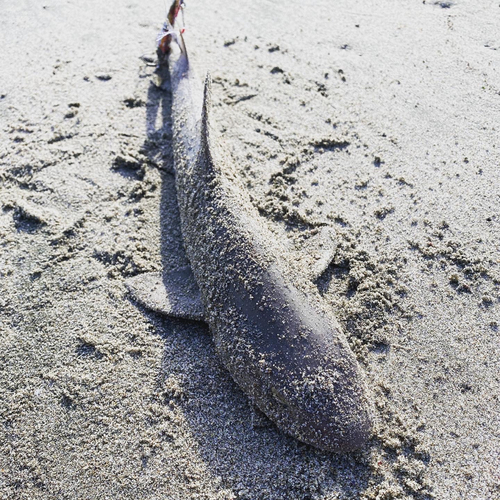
(278, 397)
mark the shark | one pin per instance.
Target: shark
(271, 329)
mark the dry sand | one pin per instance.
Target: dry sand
(379, 118)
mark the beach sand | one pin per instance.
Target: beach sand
(379, 119)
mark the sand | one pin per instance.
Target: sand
(379, 119)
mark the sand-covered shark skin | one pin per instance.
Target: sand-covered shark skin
(277, 340)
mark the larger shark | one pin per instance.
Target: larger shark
(276, 338)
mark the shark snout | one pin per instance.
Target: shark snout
(323, 410)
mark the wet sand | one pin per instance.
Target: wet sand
(377, 119)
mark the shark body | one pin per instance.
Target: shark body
(279, 343)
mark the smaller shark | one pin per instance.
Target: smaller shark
(274, 335)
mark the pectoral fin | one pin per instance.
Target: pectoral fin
(174, 293)
(322, 247)
(316, 252)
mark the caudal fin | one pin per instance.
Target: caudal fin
(172, 30)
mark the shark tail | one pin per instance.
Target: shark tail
(172, 30)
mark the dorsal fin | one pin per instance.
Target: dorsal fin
(205, 112)
(205, 161)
